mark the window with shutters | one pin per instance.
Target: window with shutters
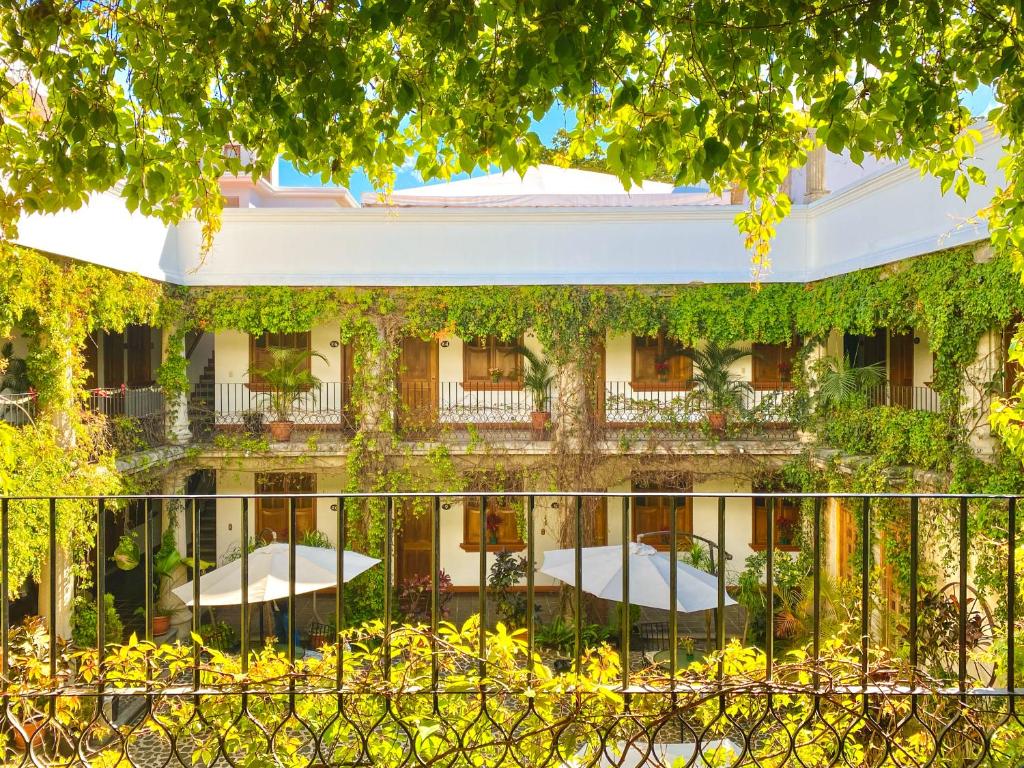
(261, 352)
(501, 526)
(787, 519)
(272, 514)
(490, 363)
(773, 366)
(652, 515)
(660, 362)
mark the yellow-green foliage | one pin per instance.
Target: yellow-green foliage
(406, 691)
(35, 461)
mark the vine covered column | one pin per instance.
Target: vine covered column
(174, 376)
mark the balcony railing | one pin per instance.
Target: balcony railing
(428, 405)
(18, 408)
(684, 409)
(324, 407)
(911, 398)
(135, 417)
(940, 690)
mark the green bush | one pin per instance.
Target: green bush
(83, 622)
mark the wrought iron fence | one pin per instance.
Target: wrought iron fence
(943, 693)
(18, 408)
(661, 407)
(135, 416)
(325, 406)
(427, 407)
(911, 398)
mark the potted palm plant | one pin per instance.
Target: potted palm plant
(716, 385)
(537, 381)
(287, 377)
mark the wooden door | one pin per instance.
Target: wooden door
(417, 380)
(414, 552)
(901, 369)
(139, 344)
(113, 359)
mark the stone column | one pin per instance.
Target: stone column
(176, 419)
(814, 186)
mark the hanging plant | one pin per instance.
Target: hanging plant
(127, 554)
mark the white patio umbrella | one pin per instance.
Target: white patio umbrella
(649, 573)
(637, 754)
(315, 568)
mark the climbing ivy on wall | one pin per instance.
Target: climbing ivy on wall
(56, 305)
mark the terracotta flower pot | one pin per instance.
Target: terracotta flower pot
(30, 726)
(161, 625)
(281, 431)
(716, 420)
(539, 421)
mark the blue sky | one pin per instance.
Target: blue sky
(979, 101)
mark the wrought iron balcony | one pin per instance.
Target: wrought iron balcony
(663, 407)
(911, 398)
(18, 408)
(325, 407)
(501, 408)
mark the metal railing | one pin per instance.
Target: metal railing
(658, 406)
(428, 405)
(943, 692)
(325, 406)
(911, 398)
(18, 408)
(134, 417)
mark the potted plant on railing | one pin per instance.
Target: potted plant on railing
(537, 381)
(718, 388)
(495, 374)
(287, 377)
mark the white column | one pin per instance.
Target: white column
(815, 185)
(57, 612)
(174, 513)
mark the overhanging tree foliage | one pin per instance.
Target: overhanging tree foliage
(149, 92)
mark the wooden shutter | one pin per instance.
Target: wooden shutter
(508, 358)
(759, 537)
(680, 366)
(508, 530)
(414, 549)
(273, 513)
(645, 356)
(139, 343)
(901, 369)
(595, 511)
(113, 359)
(653, 514)
(476, 360)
